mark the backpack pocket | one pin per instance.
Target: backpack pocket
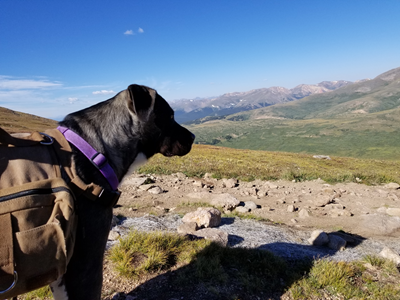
(39, 219)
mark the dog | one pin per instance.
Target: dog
(127, 129)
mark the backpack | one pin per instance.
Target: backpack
(37, 211)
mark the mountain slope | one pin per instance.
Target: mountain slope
(359, 120)
(378, 94)
(13, 121)
(230, 103)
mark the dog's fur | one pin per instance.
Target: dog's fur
(128, 129)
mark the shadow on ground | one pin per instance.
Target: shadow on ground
(237, 273)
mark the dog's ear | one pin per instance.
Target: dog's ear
(141, 101)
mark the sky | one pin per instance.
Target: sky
(57, 57)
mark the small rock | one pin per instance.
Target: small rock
(226, 201)
(391, 255)
(186, 228)
(393, 212)
(146, 187)
(242, 209)
(290, 208)
(250, 205)
(113, 236)
(213, 234)
(156, 190)
(303, 213)
(230, 183)
(198, 183)
(204, 217)
(294, 221)
(318, 238)
(392, 185)
(336, 242)
(207, 176)
(321, 201)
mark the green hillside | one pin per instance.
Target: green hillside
(14, 121)
(360, 120)
(379, 94)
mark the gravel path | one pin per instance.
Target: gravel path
(284, 241)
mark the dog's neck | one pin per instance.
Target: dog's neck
(109, 133)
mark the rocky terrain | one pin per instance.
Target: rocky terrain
(344, 221)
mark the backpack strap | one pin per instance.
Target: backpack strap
(23, 139)
(91, 191)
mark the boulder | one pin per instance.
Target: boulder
(336, 242)
(204, 217)
(250, 205)
(213, 234)
(390, 255)
(230, 183)
(242, 209)
(303, 213)
(226, 201)
(187, 228)
(318, 238)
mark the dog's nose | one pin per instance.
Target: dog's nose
(193, 136)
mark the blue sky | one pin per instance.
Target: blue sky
(61, 56)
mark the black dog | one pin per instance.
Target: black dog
(127, 129)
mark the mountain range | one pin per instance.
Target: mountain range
(187, 110)
(360, 119)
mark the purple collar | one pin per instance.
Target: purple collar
(96, 158)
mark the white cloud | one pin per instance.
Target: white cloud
(129, 32)
(72, 100)
(140, 30)
(11, 83)
(103, 92)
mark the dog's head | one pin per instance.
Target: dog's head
(158, 129)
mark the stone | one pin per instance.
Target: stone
(250, 205)
(336, 242)
(334, 206)
(391, 255)
(290, 208)
(242, 209)
(379, 224)
(204, 217)
(156, 190)
(226, 201)
(207, 176)
(392, 185)
(321, 201)
(113, 235)
(146, 187)
(187, 228)
(198, 183)
(303, 213)
(348, 238)
(230, 183)
(318, 238)
(199, 195)
(213, 234)
(393, 212)
(134, 181)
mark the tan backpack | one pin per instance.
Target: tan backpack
(37, 214)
